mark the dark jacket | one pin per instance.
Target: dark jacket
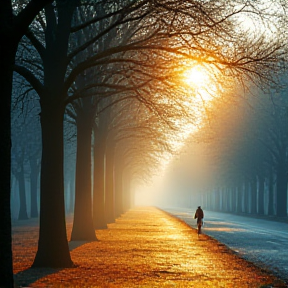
(199, 214)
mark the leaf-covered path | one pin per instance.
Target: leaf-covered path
(144, 248)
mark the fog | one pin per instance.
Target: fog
(233, 163)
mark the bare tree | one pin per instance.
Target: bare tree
(166, 36)
(12, 30)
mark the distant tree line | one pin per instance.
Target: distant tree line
(252, 171)
(244, 164)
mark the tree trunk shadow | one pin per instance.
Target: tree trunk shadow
(31, 275)
(75, 244)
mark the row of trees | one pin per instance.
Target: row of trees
(244, 165)
(114, 69)
(255, 161)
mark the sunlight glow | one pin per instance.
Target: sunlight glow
(199, 84)
(199, 88)
(196, 77)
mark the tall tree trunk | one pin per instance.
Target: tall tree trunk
(34, 183)
(83, 228)
(54, 252)
(217, 200)
(220, 199)
(281, 199)
(118, 190)
(254, 196)
(109, 183)
(22, 194)
(126, 191)
(239, 197)
(224, 199)
(10, 35)
(98, 188)
(7, 55)
(271, 193)
(246, 196)
(53, 249)
(261, 180)
(209, 196)
(233, 199)
(228, 197)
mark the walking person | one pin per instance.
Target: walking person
(199, 215)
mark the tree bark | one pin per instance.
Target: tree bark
(261, 180)
(11, 31)
(126, 190)
(83, 228)
(208, 200)
(34, 184)
(118, 189)
(7, 55)
(254, 196)
(239, 198)
(22, 194)
(217, 200)
(54, 252)
(109, 183)
(246, 196)
(98, 188)
(53, 249)
(233, 199)
(281, 199)
(224, 199)
(271, 193)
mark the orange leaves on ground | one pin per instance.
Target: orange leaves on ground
(144, 248)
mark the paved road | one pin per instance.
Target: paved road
(262, 242)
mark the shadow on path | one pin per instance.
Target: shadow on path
(31, 275)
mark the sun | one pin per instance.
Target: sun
(199, 83)
(196, 77)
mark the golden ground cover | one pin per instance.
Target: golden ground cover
(145, 247)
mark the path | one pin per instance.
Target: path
(259, 241)
(146, 247)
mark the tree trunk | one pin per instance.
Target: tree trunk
(22, 194)
(224, 199)
(53, 249)
(261, 180)
(246, 196)
(228, 202)
(239, 198)
(34, 183)
(109, 184)
(271, 193)
(10, 36)
(83, 228)
(281, 191)
(209, 198)
(98, 188)
(126, 191)
(7, 55)
(254, 196)
(217, 200)
(233, 199)
(118, 191)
